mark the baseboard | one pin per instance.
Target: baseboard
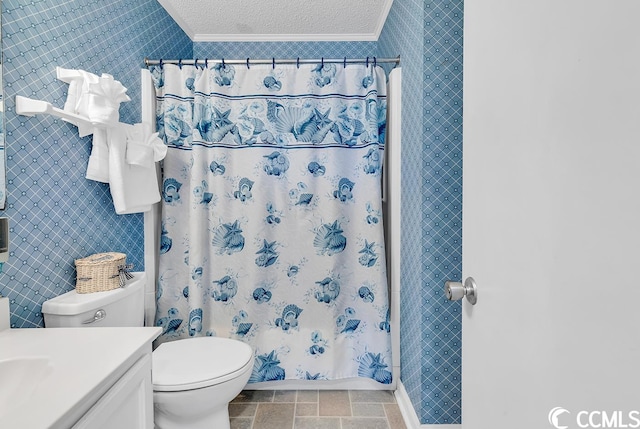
(409, 415)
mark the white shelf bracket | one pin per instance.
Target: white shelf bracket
(30, 107)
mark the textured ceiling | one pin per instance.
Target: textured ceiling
(279, 20)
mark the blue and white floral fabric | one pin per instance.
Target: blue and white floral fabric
(271, 227)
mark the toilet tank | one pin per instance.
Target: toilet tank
(115, 308)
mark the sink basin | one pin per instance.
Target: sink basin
(19, 379)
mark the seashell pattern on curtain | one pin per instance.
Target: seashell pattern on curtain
(272, 215)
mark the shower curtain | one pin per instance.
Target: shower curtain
(271, 215)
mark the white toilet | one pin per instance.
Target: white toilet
(193, 379)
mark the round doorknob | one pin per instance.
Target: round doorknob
(456, 290)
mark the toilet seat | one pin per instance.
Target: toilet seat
(195, 363)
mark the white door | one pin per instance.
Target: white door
(551, 214)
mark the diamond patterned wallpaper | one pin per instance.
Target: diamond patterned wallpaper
(262, 50)
(442, 210)
(403, 34)
(428, 35)
(56, 215)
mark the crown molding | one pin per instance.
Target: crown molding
(372, 37)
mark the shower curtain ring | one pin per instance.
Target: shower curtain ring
(298, 63)
(180, 63)
(345, 63)
(322, 62)
(223, 66)
(247, 63)
(160, 63)
(206, 63)
(195, 63)
(367, 62)
(273, 62)
(374, 61)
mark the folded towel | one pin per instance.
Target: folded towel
(103, 100)
(98, 167)
(145, 152)
(75, 79)
(79, 81)
(133, 186)
(95, 98)
(122, 155)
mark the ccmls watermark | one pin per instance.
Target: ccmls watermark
(561, 418)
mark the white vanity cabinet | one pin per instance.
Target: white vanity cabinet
(127, 404)
(80, 378)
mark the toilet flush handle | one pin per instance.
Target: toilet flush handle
(100, 314)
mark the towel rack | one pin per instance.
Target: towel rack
(30, 107)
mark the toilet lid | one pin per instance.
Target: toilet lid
(194, 363)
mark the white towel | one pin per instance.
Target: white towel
(75, 79)
(134, 187)
(98, 167)
(103, 100)
(95, 98)
(78, 81)
(144, 149)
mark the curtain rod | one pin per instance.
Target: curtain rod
(274, 61)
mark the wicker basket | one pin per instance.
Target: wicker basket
(99, 272)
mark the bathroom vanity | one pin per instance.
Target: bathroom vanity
(98, 378)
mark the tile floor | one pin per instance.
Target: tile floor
(313, 409)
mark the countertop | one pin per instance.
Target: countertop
(83, 363)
